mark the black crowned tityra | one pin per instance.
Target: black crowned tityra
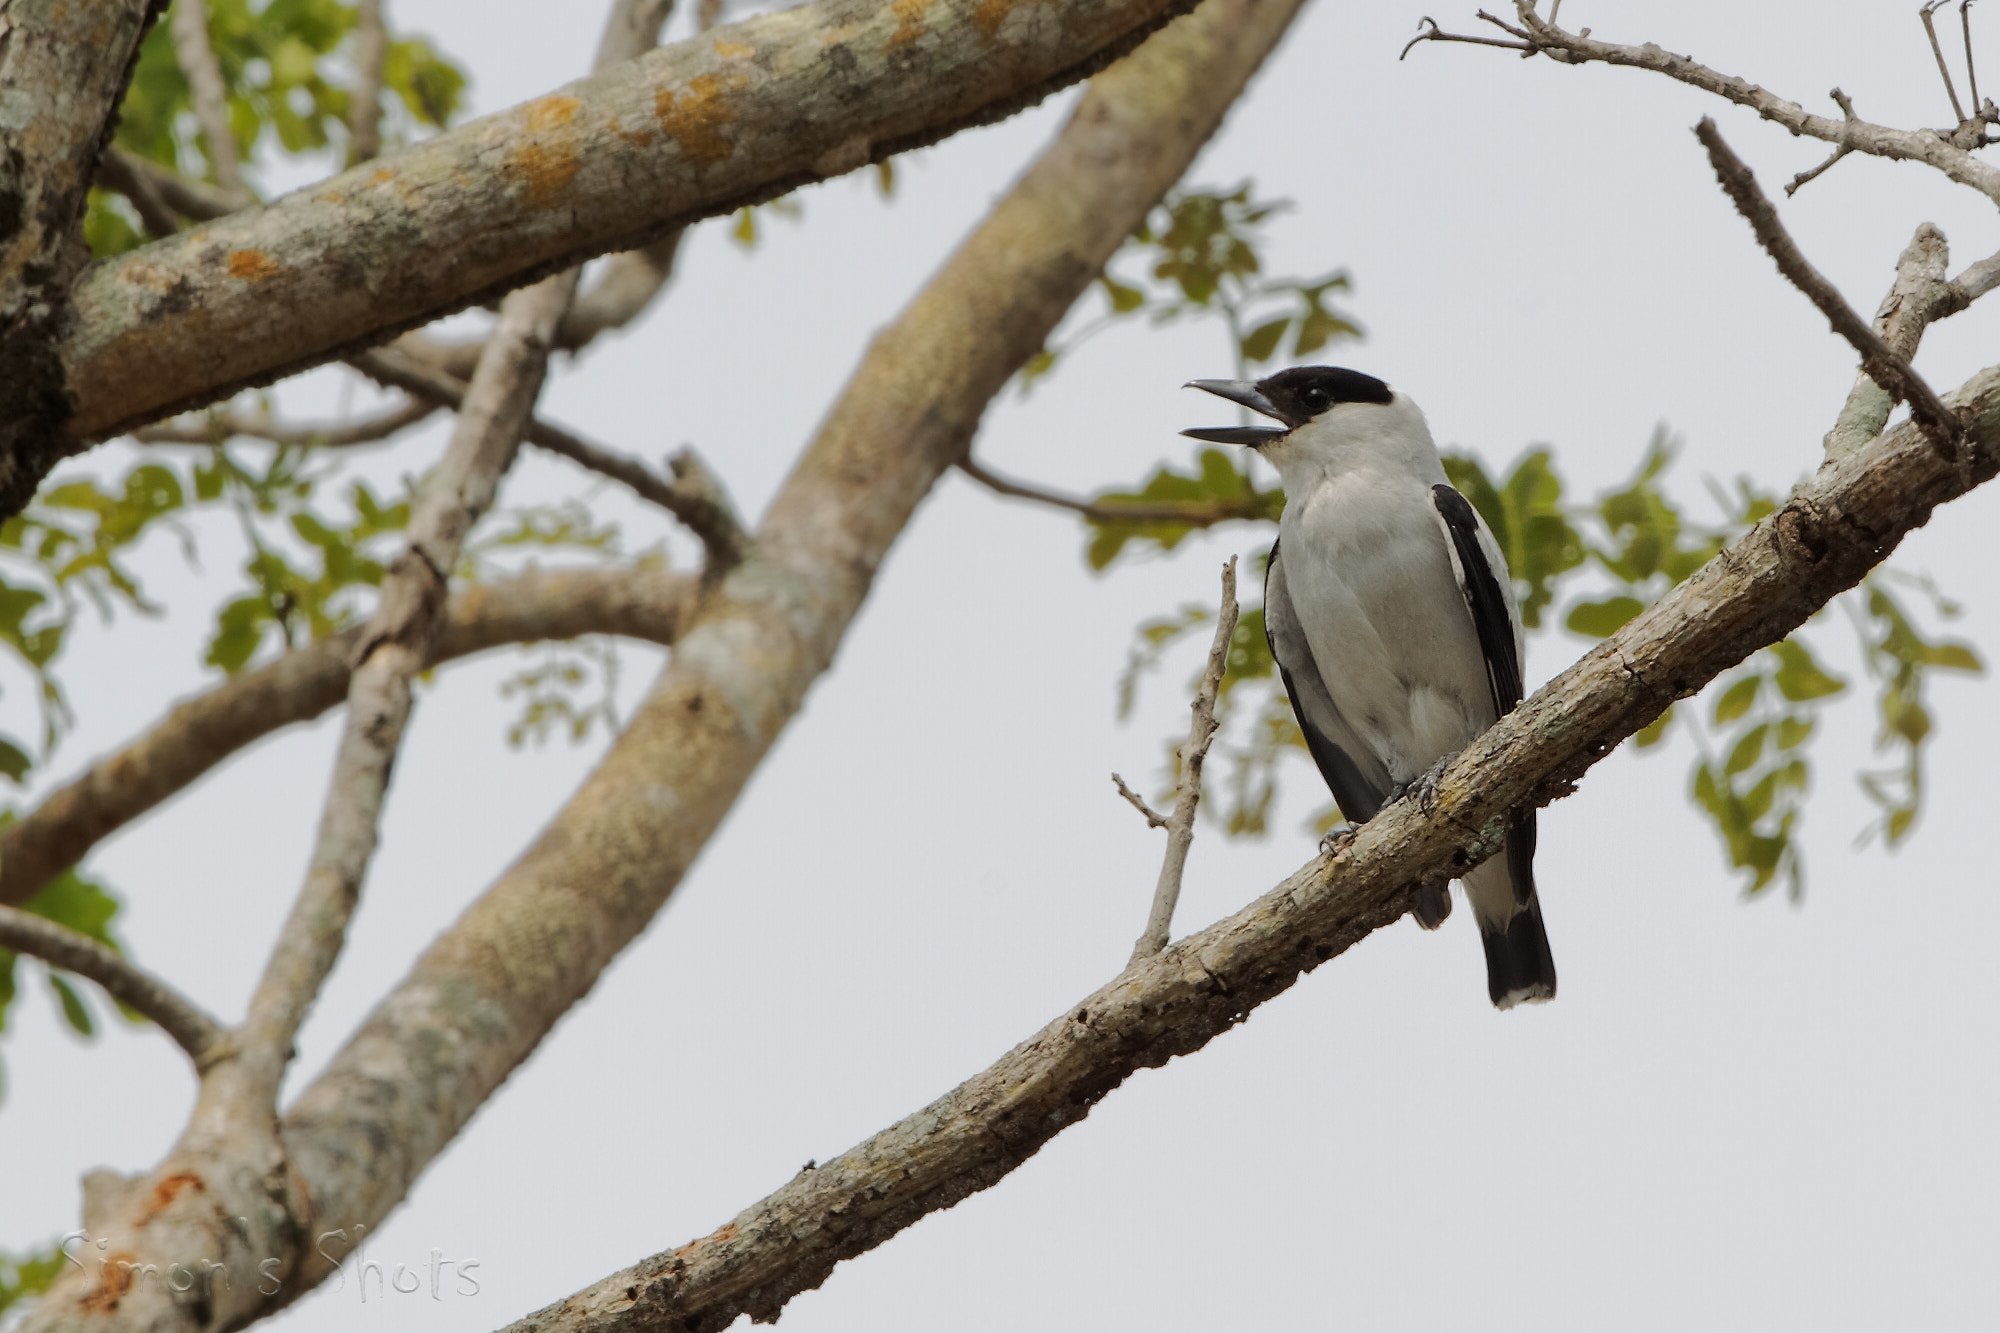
(1392, 619)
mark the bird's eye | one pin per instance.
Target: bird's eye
(1315, 400)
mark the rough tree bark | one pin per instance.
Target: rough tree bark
(63, 71)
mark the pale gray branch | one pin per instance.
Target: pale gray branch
(194, 737)
(1878, 359)
(1180, 824)
(393, 649)
(188, 22)
(364, 112)
(59, 946)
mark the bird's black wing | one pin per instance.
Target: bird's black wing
(1479, 581)
(1358, 780)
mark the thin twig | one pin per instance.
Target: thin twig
(59, 946)
(694, 498)
(219, 425)
(117, 170)
(1138, 803)
(1199, 514)
(141, 180)
(1180, 824)
(1437, 34)
(364, 113)
(1847, 107)
(188, 22)
(1886, 368)
(1957, 111)
(1971, 74)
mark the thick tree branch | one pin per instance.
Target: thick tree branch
(187, 20)
(63, 70)
(736, 116)
(1195, 514)
(1825, 538)
(1180, 824)
(195, 736)
(1880, 362)
(59, 946)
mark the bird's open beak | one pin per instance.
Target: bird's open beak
(1237, 391)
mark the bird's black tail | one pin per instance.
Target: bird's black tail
(1519, 967)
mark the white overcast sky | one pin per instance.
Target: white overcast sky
(1737, 1115)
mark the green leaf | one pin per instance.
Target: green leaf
(1597, 620)
(1953, 657)
(1799, 678)
(14, 761)
(1655, 731)
(1124, 300)
(1262, 342)
(1794, 731)
(1736, 700)
(73, 1010)
(1747, 751)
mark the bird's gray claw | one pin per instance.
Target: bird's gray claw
(1424, 785)
(1336, 842)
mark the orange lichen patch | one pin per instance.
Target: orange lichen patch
(251, 265)
(640, 137)
(170, 1189)
(547, 171)
(695, 117)
(114, 1280)
(910, 23)
(724, 1235)
(551, 112)
(382, 176)
(991, 14)
(729, 50)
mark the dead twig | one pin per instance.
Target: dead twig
(59, 946)
(1138, 803)
(1846, 105)
(1199, 514)
(219, 425)
(1180, 824)
(1957, 111)
(1880, 361)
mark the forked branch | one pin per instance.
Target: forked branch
(59, 946)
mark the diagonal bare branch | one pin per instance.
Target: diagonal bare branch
(59, 946)
(1821, 542)
(1180, 824)
(1881, 363)
(1196, 514)
(195, 736)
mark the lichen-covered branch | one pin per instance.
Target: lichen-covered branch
(63, 70)
(735, 116)
(645, 603)
(59, 946)
(1821, 542)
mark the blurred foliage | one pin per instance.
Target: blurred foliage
(85, 907)
(286, 65)
(25, 1276)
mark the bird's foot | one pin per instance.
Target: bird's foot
(1423, 786)
(1336, 842)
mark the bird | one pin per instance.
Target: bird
(1391, 616)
